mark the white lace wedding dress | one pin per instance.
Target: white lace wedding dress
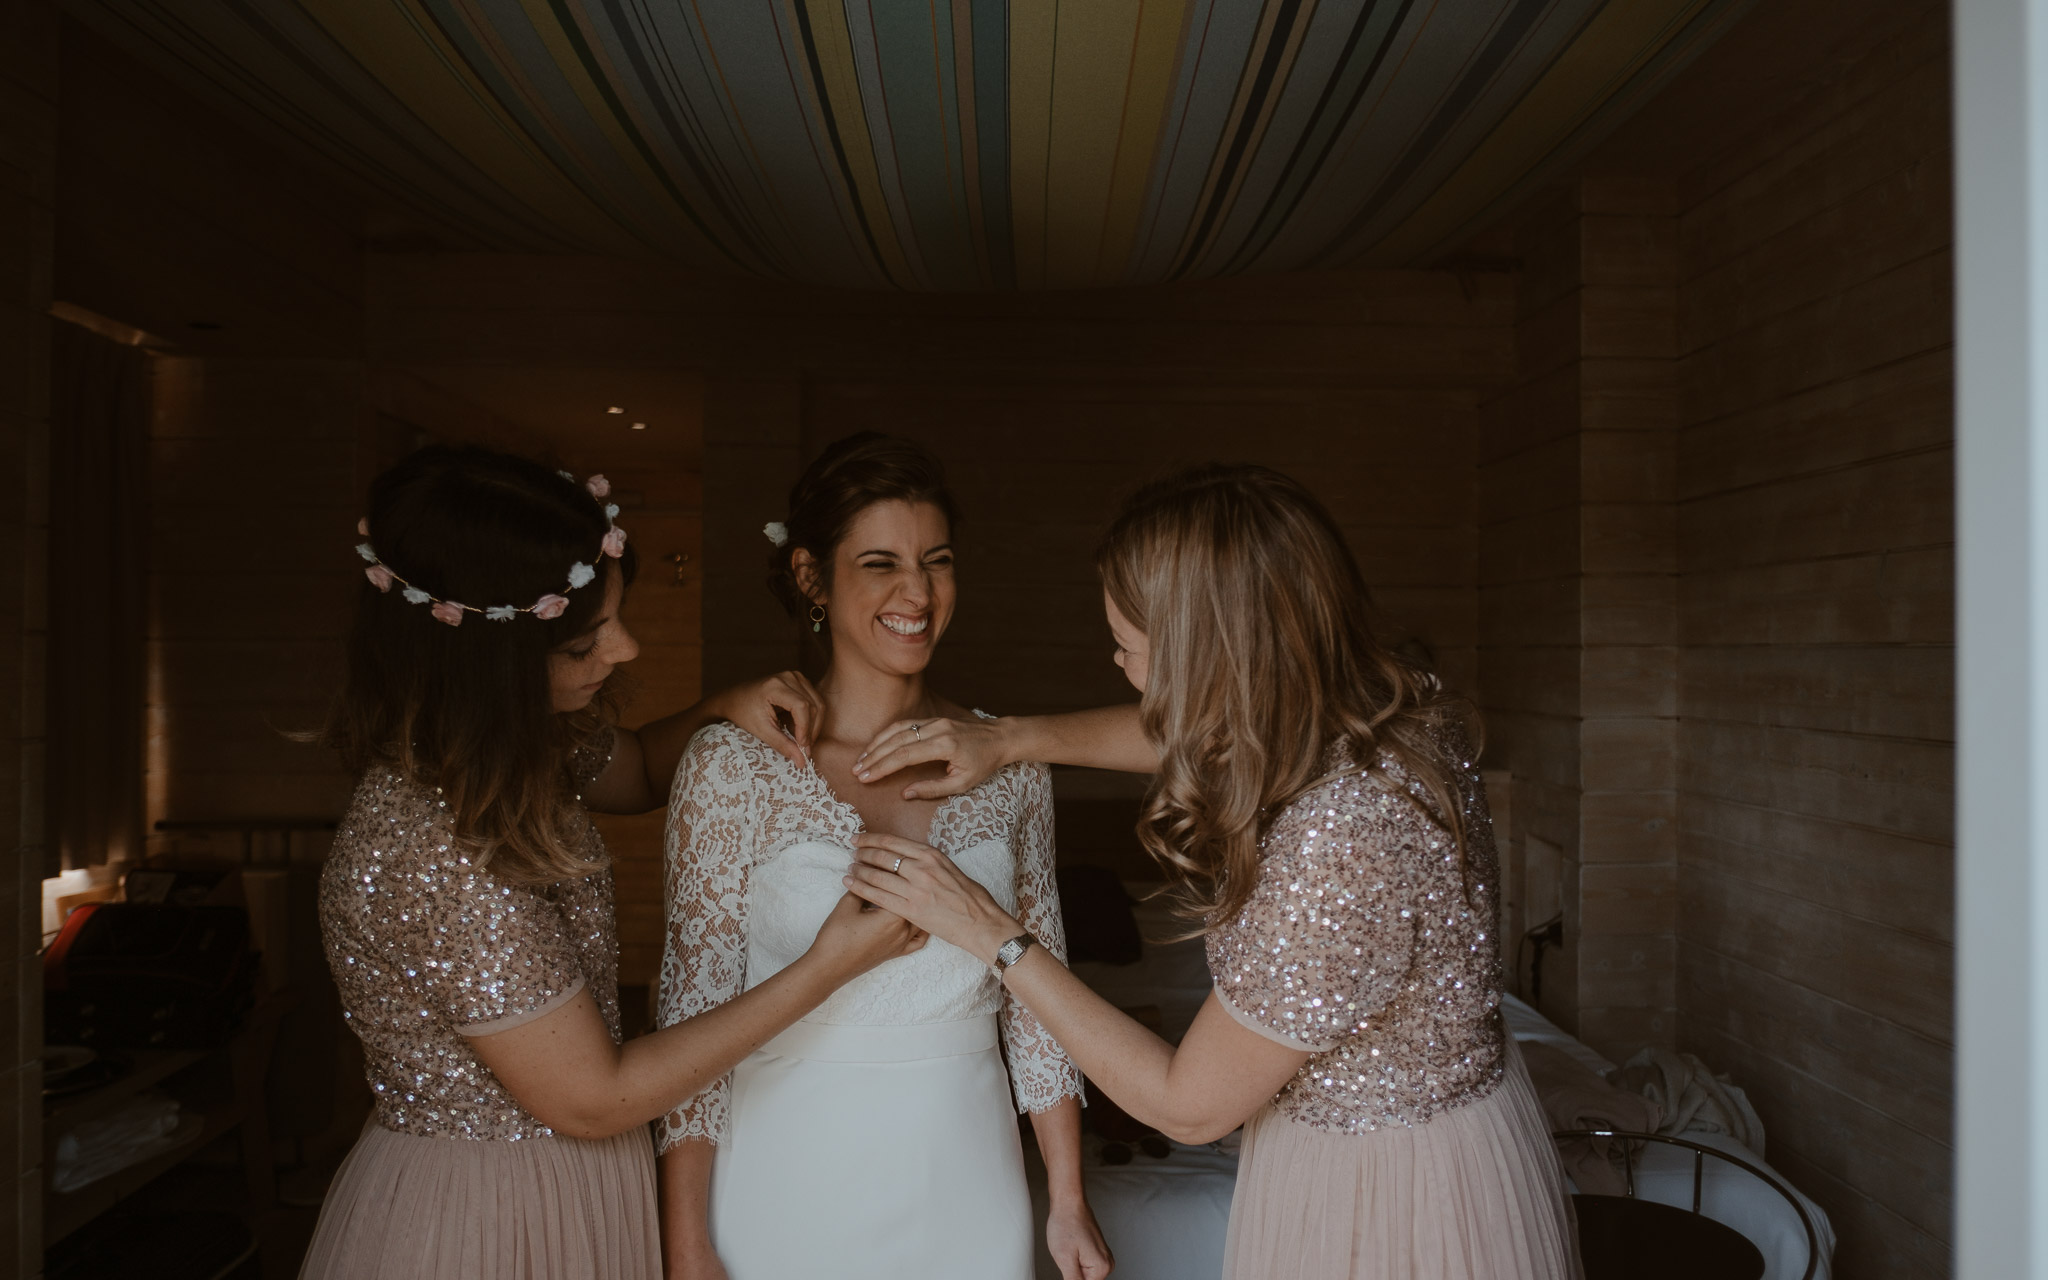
(875, 1137)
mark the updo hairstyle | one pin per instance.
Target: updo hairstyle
(851, 475)
(469, 708)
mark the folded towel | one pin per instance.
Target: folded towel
(1691, 1097)
(1574, 1098)
(141, 1128)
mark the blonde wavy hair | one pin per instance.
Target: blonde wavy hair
(1265, 653)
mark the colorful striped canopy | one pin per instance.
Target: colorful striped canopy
(940, 144)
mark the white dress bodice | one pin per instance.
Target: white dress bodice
(790, 896)
(756, 850)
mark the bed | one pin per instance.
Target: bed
(1165, 1217)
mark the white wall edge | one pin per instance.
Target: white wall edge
(2001, 1185)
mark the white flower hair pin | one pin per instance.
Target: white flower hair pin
(548, 607)
(776, 532)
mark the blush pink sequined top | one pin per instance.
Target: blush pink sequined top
(429, 949)
(1367, 942)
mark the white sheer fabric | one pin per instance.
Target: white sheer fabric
(755, 852)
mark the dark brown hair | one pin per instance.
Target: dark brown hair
(851, 475)
(468, 708)
(1264, 651)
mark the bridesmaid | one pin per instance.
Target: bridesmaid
(467, 905)
(1319, 817)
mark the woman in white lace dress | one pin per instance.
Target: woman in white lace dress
(875, 1138)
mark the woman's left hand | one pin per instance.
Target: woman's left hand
(923, 886)
(1076, 1243)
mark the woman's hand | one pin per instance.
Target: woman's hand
(782, 710)
(1076, 1243)
(972, 750)
(923, 886)
(856, 937)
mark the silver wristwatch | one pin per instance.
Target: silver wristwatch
(1013, 950)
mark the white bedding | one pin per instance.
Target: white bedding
(1727, 1194)
(1165, 1219)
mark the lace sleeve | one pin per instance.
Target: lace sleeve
(1040, 1071)
(709, 847)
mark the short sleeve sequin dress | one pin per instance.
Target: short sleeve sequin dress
(452, 1178)
(1412, 1145)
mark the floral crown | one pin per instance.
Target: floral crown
(548, 606)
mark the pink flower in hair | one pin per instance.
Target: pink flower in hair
(550, 607)
(378, 575)
(449, 612)
(599, 487)
(615, 543)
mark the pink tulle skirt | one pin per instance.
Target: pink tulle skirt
(1474, 1194)
(452, 1209)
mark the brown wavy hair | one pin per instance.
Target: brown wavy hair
(1265, 652)
(468, 708)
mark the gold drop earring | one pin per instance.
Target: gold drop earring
(817, 618)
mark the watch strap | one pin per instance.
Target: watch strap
(1013, 950)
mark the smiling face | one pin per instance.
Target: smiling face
(579, 668)
(1133, 651)
(892, 589)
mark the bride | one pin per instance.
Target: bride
(875, 1137)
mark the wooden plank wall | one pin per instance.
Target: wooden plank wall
(1039, 468)
(1528, 605)
(1628, 704)
(28, 146)
(1815, 624)
(255, 479)
(1578, 611)
(244, 269)
(1046, 406)
(173, 220)
(267, 428)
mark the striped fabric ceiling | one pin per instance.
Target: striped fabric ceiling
(939, 144)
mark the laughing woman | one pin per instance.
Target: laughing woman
(876, 1138)
(467, 904)
(1317, 809)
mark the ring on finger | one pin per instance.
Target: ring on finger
(898, 868)
(917, 733)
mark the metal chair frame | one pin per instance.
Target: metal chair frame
(1699, 1163)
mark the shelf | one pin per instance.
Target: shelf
(148, 1067)
(226, 1091)
(66, 1211)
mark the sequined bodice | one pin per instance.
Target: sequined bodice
(423, 942)
(1368, 941)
